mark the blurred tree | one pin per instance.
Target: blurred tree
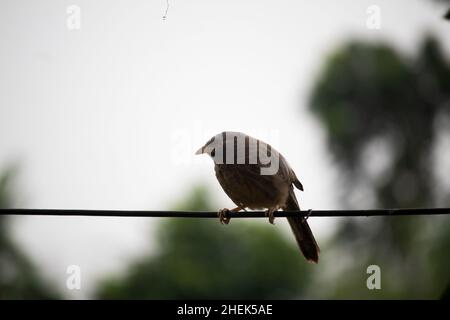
(447, 14)
(18, 277)
(381, 111)
(197, 258)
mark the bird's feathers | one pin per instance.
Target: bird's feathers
(241, 178)
(302, 232)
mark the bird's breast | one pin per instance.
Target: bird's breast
(246, 187)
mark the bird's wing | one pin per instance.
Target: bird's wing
(295, 181)
(288, 172)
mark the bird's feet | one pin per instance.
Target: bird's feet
(224, 216)
(307, 215)
(270, 214)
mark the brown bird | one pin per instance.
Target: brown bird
(256, 176)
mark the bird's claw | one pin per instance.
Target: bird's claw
(223, 215)
(307, 215)
(270, 215)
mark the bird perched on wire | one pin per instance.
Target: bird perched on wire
(256, 176)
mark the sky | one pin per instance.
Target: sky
(108, 116)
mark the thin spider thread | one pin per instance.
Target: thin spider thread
(167, 10)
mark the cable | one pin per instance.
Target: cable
(250, 214)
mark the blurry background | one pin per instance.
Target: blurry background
(108, 116)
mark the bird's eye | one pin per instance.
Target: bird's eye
(213, 153)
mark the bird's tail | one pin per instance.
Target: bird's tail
(302, 232)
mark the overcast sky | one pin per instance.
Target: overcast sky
(109, 116)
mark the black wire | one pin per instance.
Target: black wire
(250, 214)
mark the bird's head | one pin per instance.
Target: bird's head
(213, 145)
(228, 147)
(238, 148)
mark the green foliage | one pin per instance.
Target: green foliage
(18, 277)
(203, 259)
(368, 96)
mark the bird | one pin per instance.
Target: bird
(256, 176)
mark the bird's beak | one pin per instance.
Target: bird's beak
(199, 151)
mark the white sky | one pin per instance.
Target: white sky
(95, 116)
